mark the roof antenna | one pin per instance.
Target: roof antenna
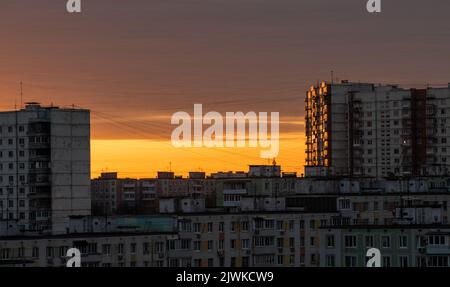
(21, 95)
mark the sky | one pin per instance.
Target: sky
(135, 63)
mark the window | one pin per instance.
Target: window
(436, 240)
(302, 224)
(291, 242)
(245, 243)
(280, 259)
(35, 252)
(196, 227)
(244, 225)
(185, 226)
(210, 245)
(269, 224)
(279, 225)
(210, 227)
(403, 241)
(350, 241)
(233, 226)
(221, 226)
(438, 261)
(120, 249)
(133, 248)
(369, 241)
(233, 262)
(245, 261)
(386, 241)
(172, 244)
(403, 261)
(92, 248)
(63, 251)
(21, 252)
(280, 242)
(233, 243)
(173, 262)
(159, 246)
(185, 244)
(330, 261)
(386, 261)
(313, 259)
(106, 249)
(49, 252)
(350, 261)
(344, 203)
(146, 248)
(291, 225)
(197, 245)
(5, 253)
(330, 241)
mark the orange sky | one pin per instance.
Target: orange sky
(135, 63)
(143, 158)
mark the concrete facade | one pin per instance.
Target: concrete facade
(44, 167)
(356, 129)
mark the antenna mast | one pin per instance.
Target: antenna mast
(21, 94)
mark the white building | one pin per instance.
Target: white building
(356, 129)
(44, 167)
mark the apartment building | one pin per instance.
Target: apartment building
(44, 168)
(400, 246)
(97, 250)
(368, 130)
(259, 239)
(198, 240)
(265, 182)
(113, 195)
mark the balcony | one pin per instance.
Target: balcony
(438, 250)
(235, 191)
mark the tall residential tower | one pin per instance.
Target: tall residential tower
(44, 168)
(368, 130)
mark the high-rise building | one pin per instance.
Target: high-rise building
(44, 168)
(360, 129)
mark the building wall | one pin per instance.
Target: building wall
(372, 130)
(44, 167)
(408, 246)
